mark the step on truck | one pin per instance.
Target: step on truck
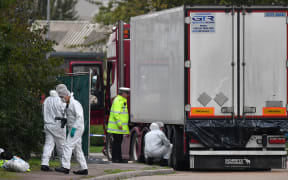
(216, 76)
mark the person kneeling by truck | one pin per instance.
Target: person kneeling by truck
(157, 146)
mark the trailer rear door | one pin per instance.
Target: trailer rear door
(264, 64)
(211, 41)
(238, 63)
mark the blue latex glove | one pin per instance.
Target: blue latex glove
(73, 130)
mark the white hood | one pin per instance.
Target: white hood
(154, 126)
(53, 93)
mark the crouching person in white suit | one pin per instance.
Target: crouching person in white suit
(157, 146)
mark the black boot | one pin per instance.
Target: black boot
(45, 168)
(63, 170)
(116, 161)
(81, 172)
(164, 162)
(149, 161)
(124, 161)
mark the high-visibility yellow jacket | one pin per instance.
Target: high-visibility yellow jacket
(118, 116)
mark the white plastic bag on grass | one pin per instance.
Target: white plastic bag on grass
(16, 164)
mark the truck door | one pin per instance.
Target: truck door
(238, 63)
(264, 64)
(211, 75)
(96, 96)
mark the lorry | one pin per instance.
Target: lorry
(216, 76)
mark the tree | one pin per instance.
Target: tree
(59, 9)
(121, 10)
(125, 9)
(5, 4)
(94, 2)
(25, 74)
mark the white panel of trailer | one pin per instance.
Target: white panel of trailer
(157, 67)
(265, 56)
(211, 55)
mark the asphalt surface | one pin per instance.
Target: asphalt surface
(99, 168)
(221, 175)
(274, 174)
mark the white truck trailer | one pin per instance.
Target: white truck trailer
(217, 77)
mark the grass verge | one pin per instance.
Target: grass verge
(115, 171)
(151, 168)
(96, 141)
(35, 163)
(156, 167)
(96, 149)
(4, 174)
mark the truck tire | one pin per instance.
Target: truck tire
(109, 140)
(135, 151)
(142, 155)
(170, 137)
(178, 159)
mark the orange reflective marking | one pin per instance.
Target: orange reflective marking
(202, 111)
(274, 111)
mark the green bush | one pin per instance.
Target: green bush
(25, 74)
(21, 124)
(96, 141)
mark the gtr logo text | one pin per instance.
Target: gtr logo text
(203, 18)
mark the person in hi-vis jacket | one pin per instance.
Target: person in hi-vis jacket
(118, 123)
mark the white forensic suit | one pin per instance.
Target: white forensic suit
(75, 119)
(156, 144)
(54, 134)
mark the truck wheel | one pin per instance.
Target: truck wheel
(170, 137)
(109, 140)
(179, 161)
(135, 151)
(142, 155)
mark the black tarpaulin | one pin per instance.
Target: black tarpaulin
(229, 134)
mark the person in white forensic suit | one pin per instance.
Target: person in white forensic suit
(75, 125)
(54, 134)
(157, 146)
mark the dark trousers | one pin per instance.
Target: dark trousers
(116, 147)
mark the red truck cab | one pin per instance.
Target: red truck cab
(76, 62)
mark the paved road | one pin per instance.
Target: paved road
(194, 175)
(95, 170)
(277, 174)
